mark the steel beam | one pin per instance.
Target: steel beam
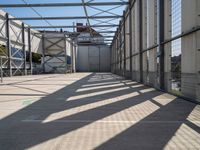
(124, 29)
(24, 48)
(62, 4)
(65, 52)
(43, 53)
(140, 40)
(72, 56)
(160, 45)
(8, 44)
(93, 26)
(29, 49)
(65, 18)
(130, 38)
(88, 20)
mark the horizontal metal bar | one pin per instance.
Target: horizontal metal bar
(70, 33)
(193, 30)
(62, 4)
(65, 18)
(93, 26)
(106, 31)
(108, 40)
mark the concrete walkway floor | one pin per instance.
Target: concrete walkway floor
(85, 111)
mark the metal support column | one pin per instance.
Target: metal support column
(72, 56)
(117, 52)
(29, 50)
(124, 28)
(160, 41)
(75, 57)
(140, 40)
(65, 53)
(130, 38)
(8, 44)
(43, 53)
(120, 46)
(1, 67)
(24, 48)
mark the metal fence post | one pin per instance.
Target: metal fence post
(1, 62)
(8, 44)
(29, 49)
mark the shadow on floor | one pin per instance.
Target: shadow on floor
(155, 126)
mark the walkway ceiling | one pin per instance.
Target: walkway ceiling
(103, 16)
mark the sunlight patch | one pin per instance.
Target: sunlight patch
(194, 116)
(76, 110)
(147, 90)
(99, 87)
(184, 138)
(164, 99)
(96, 93)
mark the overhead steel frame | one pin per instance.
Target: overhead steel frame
(66, 18)
(105, 25)
(64, 4)
(90, 4)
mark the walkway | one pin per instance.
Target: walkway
(86, 111)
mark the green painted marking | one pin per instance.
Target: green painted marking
(27, 102)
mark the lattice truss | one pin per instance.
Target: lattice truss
(54, 50)
(16, 56)
(104, 19)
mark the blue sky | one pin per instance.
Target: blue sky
(58, 11)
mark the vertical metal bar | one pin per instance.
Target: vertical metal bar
(24, 48)
(117, 53)
(160, 40)
(43, 53)
(29, 50)
(130, 38)
(120, 44)
(8, 44)
(140, 40)
(99, 58)
(75, 49)
(65, 52)
(1, 62)
(72, 56)
(124, 28)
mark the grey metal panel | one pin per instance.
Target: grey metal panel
(82, 59)
(105, 59)
(93, 58)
